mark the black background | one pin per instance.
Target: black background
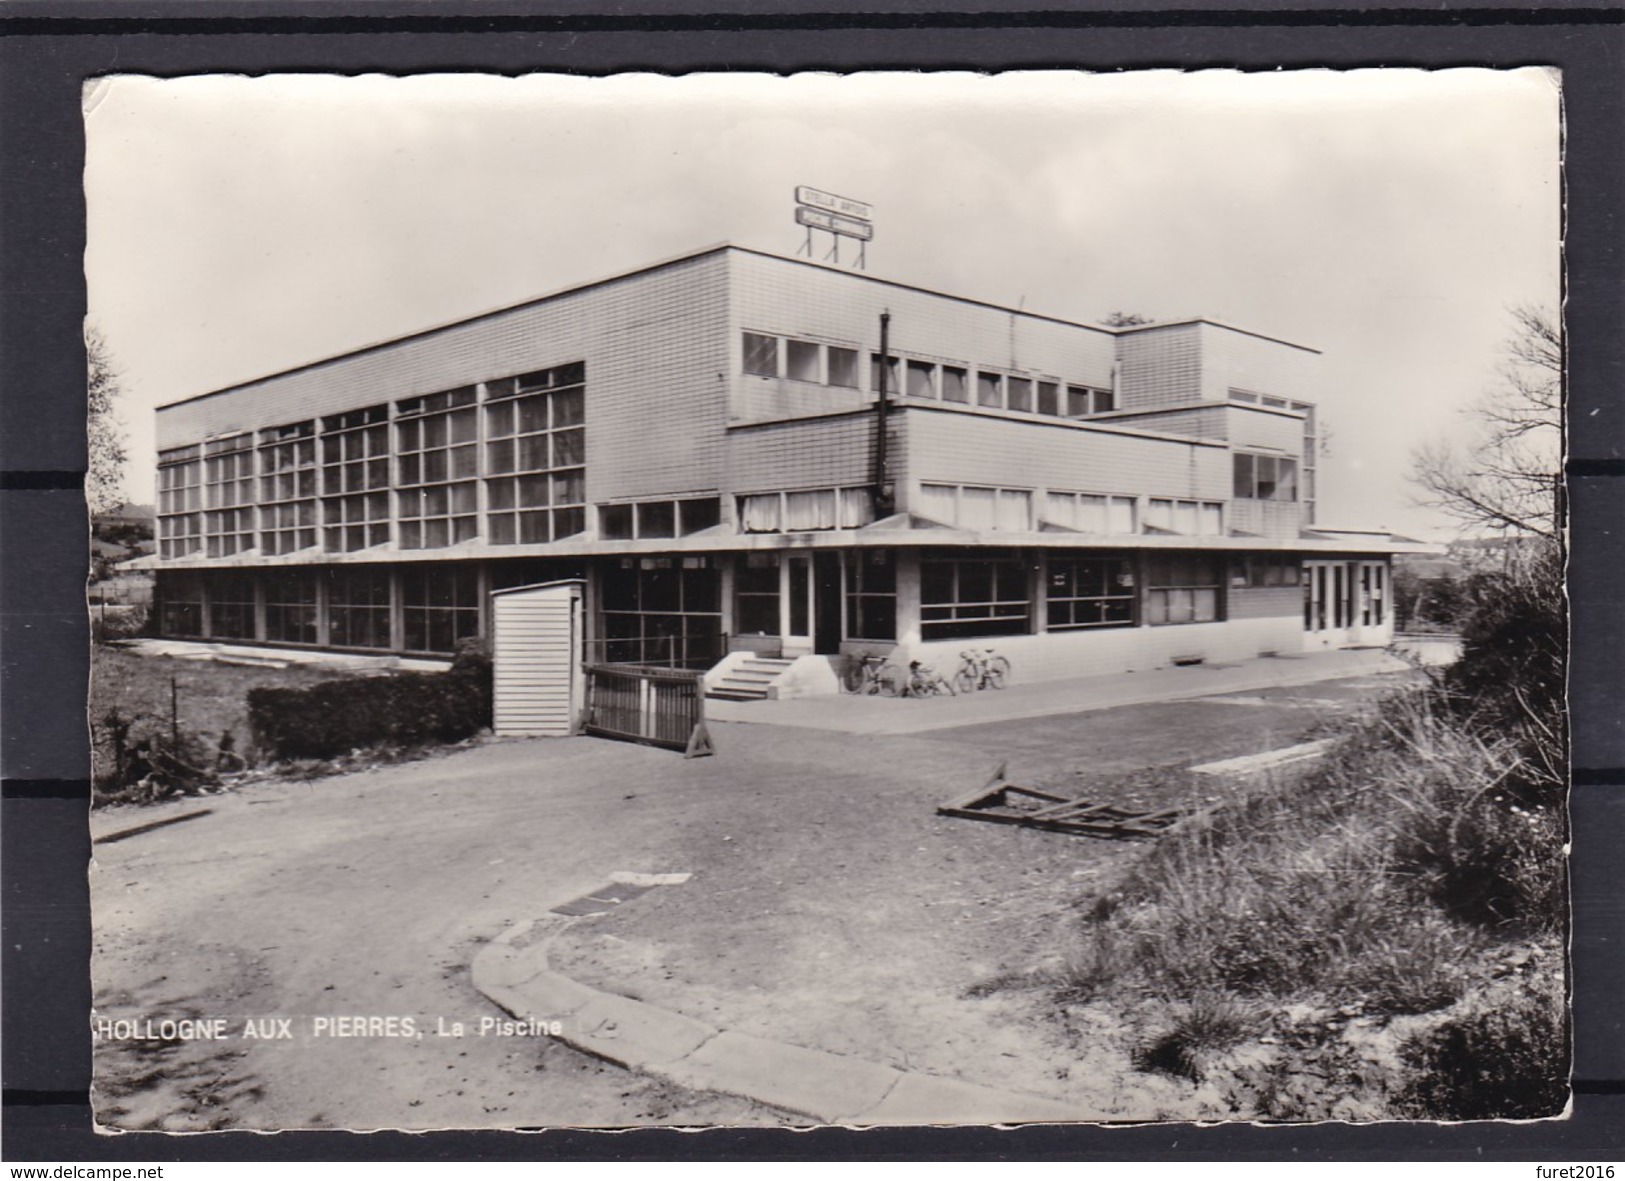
(47, 49)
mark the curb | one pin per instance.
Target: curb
(512, 971)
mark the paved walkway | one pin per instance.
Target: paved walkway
(512, 971)
(883, 715)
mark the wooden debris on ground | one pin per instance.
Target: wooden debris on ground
(1007, 803)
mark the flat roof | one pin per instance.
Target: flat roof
(690, 256)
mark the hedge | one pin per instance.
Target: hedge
(403, 709)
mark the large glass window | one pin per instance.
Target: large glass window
(290, 606)
(955, 384)
(358, 608)
(871, 595)
(984, 596)
(1265, 477)
(922, 379)
(231, 606)
(229, 493)
(966, 507)
(180, 604)
(664, 611)
(1182, 588)
(1192, 518)
(180, 504)
(801, 360)
(355, 479)
(1090, 592)
(536, 454)
(288, 488)
(756, 595)
(806, 510)
(843, 367)
(440, 605)
(437, 437)
(1090, 512)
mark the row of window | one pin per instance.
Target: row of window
(526, 442)
(1012, 509)
(667, 609)
(834, 365)
(1311, 438)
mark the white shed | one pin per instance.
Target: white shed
(536, 651)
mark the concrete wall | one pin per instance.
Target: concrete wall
(961, 447)
(1058, 655)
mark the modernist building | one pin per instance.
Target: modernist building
(745, 453)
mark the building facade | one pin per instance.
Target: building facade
(741, 453)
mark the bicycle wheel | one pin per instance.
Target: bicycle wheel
(965, 680)
(943, 686)
(998, 672)
(886, 683)
(852, 677)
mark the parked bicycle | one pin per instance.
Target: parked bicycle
(871, 674)
(981, 669)
(925, 681)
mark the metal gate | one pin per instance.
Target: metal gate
(654, 706)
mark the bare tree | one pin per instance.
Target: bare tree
(1506, 476)
(1126, 320)
(104, 469)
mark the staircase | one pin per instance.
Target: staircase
(749, 680)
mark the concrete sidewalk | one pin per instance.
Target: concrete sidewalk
(884, 715)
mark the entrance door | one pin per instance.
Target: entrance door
(1329, 609)
(826, 603)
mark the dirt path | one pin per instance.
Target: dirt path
(829, 907)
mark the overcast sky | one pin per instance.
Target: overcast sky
(1387, 217)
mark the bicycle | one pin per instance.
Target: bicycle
(925, 681)
(870, 674)
(981, 670)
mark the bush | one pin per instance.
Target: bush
(1505, 1059)
(403, 709)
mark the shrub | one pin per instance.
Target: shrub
(1504, 1059)
(402, 709)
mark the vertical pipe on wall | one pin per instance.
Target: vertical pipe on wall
(884, 493)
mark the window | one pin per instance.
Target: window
(843, 367)
(756, 596)
(1181, 588)
(358, 608)
(806, 511)
(290, 607)
(893, 374)
(440, 605)
(962, 597)
(1090, 592)
(231, 606)
(967, 507)
(761, 355)
(1082, 401)
(1192, 518)
(802, 360)
(954, 387)
(1373, 594)
(180, 604)
(439, 460)
(288, 488)
(535, 455)
(229, 493)
(180, 501)
(658, 518)
(1090, 513)
(664, 611)
(1265, 477)
(1265, 570)
(989, 389)
(1020, 393)
(1246, 396)
(922, 379)
(871, 595)
(355, 479)
(1049, 397)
